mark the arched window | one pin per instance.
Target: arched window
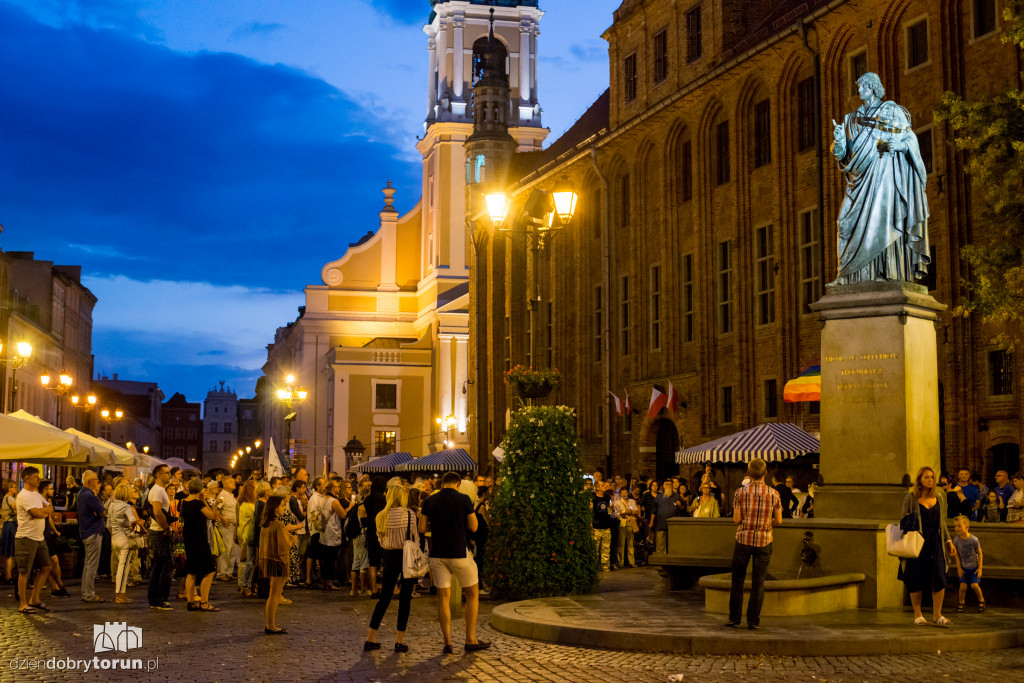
(478, 173)
(479, 48)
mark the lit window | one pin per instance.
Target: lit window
(384, 442)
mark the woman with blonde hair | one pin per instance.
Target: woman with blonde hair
(246, 510)
(123, 520)
(395, 523)
(928, 569)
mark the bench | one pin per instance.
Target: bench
(789, 597)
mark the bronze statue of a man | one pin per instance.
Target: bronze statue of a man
(883, 222)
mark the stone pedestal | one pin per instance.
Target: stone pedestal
(879, 396)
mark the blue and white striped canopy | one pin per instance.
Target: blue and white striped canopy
(773, 442)
(454, 459)
(383, 464)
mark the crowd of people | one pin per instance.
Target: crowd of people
(631, 516)
(275, 534)
(326, 533)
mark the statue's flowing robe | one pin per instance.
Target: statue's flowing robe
(883, 222)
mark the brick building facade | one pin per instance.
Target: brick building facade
(699, 240)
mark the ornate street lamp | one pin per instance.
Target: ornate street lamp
(23, 353)
(291, 398)
(62, 387)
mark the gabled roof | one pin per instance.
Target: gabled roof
(593, 121)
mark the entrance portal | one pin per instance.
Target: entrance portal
(666, 445)
(1004, 456)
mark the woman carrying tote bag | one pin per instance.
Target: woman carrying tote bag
(928, 569)
(395, 523)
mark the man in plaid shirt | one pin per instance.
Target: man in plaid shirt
(756, 509)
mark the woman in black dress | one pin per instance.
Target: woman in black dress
(928, 569)
(199, 563)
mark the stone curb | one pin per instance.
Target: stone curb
(769, 640)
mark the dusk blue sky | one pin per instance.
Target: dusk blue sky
(203, 160)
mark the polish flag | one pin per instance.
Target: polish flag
(658, 401)
(629, 404)
(618, 403)
(673, 398)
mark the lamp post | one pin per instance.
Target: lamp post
(61, 387)
(448, 423)
(542, 217)
(290, 398)
(87, 405)
(23, 353)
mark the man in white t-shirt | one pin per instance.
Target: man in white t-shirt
(29, 543)
(160, 541)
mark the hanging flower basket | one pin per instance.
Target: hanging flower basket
(530, 383)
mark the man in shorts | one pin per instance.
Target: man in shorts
(448, 515)
(29, 543)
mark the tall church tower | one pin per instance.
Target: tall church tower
(457, 38)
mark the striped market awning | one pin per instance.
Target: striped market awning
(806, 387)
(774, 442)
(450, 459)
(383, 464)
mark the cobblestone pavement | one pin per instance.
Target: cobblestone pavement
(326, 631)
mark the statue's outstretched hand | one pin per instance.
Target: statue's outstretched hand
(838, 131)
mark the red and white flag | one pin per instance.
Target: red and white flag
(673, 398)
(629, 404)
(618, 403)
(658, 401)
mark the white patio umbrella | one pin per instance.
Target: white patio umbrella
(23, 440)
(118, 455)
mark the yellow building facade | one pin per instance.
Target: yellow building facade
(382, 345)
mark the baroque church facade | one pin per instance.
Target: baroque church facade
(382, 345)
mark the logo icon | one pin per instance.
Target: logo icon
(116, 636)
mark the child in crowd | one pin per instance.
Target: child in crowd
(968, 562)
(992, 508)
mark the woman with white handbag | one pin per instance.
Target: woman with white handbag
(395, 523)
(928, 569)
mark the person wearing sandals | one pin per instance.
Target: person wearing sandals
(274, 558)
(394, 524)
(29, 542)
(968, 561)
(122, 519)
(199, 561)
(928, 569)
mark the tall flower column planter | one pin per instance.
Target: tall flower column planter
(540, 541)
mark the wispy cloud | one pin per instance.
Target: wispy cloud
(257, 29)
(104, 251)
